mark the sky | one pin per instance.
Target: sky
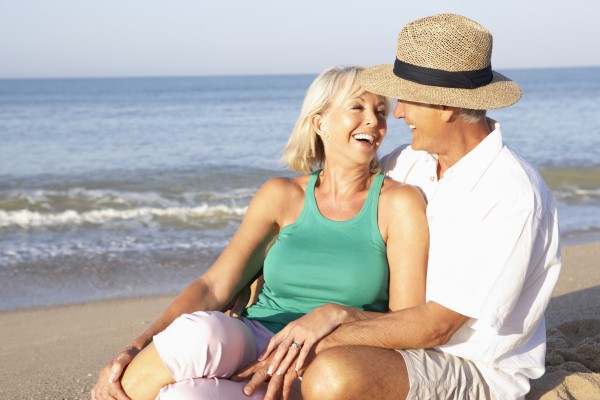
(123, 38)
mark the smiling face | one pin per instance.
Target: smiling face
(353, 128)
(426, 123)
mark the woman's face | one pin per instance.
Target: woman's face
(353, 128)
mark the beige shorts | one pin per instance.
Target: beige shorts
(434, 374)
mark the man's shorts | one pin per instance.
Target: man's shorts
(434, 374)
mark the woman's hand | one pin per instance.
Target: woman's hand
(109, 383)
(298, 337)
(279, 386)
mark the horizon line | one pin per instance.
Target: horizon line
(167, 76)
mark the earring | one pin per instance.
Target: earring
(325, 135)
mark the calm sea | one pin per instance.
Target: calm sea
(128, 187)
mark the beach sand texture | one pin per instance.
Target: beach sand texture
(56, 353)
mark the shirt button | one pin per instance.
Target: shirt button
(432, 178)
(430, 217)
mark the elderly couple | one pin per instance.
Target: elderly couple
(430, 283)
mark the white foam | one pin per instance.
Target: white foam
(15, 252)
(576, 195)
(50, 198)
(33, 219)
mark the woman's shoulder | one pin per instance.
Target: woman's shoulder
(286, 189)
(285, 184)
(284, 197)
(394, 188)
(396, 194)
(401, 207)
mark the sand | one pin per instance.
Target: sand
(573, 318)
(55, 353)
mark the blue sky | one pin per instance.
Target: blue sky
(85, 38)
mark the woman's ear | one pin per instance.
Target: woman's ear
(318, 123)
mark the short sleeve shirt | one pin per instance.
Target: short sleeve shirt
(494, 256)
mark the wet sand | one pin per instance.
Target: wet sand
(56, 353)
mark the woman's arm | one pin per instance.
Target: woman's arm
(241, 260)
(404, 226)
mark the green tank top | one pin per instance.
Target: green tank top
(315, 261)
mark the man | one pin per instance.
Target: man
(494, 252)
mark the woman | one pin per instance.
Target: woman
(347, 244)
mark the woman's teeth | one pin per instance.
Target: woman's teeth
(364, 136)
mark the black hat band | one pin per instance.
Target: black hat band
(447, 79)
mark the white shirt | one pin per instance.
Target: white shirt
(494, 256)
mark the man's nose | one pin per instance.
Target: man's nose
(399, 109)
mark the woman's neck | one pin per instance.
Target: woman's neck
(343, 182)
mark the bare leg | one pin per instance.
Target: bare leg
(356, 372)
(146, 374)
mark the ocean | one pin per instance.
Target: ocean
(130, 187)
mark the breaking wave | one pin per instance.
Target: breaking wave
(34, 219)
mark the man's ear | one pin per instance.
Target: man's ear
(449, 114)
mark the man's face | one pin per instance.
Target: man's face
(425, 122)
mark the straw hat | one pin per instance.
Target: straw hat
(445, 60)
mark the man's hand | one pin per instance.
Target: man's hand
(108, 386)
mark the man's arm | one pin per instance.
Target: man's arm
(424, 326)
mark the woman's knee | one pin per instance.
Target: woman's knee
(195, 333)
(198, 326)
(204, 344)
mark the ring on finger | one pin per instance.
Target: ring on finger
(295, 346)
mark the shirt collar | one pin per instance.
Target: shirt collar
(472, 166)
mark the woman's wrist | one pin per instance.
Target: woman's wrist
(138, 344)
(346, 314)
(338, 313)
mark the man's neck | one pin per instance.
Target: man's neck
(465, 137)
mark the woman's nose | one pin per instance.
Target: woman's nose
(371, 117)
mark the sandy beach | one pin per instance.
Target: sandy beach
(56, 353)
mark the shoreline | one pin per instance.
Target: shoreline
(168, 270)
(56, 352)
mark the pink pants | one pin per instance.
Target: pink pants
(203, 349)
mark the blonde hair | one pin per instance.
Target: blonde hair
(304, 151)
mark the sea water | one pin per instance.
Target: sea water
(133, 186)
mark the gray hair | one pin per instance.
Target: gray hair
(471, 116)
